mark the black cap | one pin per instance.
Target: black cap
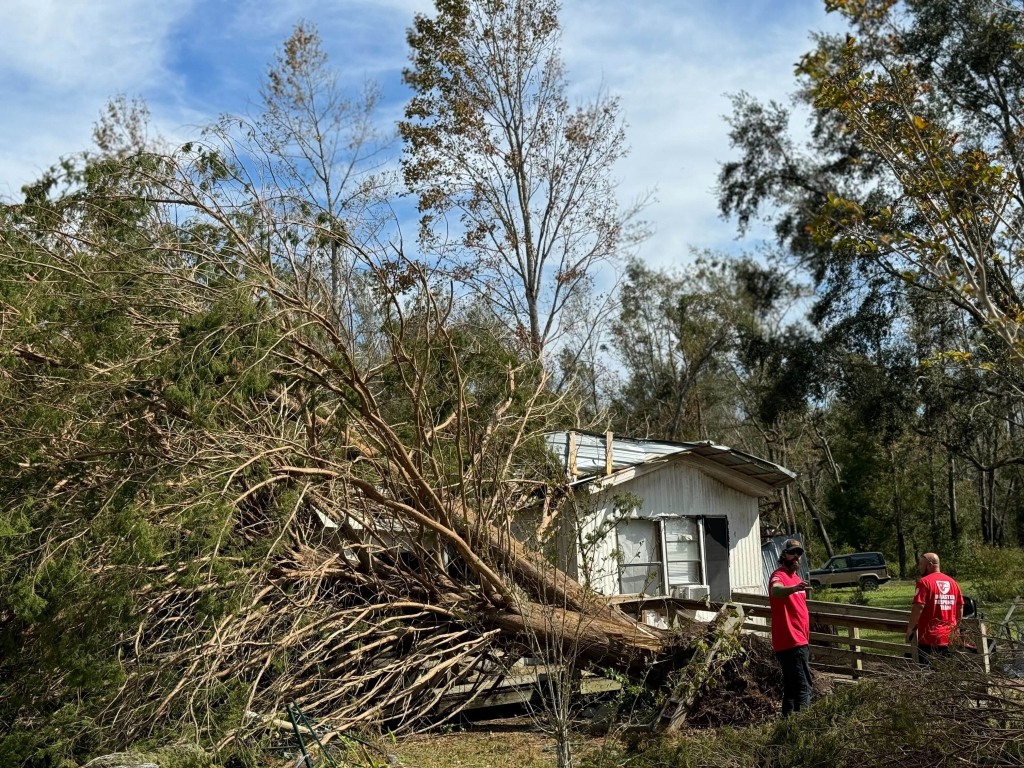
(793, 547)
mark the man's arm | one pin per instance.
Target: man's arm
(915, 616)
(959, 613)
(780, 591)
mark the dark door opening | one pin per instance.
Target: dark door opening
(716, 550)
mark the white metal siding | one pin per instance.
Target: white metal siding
(678, 489)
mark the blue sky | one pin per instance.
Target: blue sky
(670, 61)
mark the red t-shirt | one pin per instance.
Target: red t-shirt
(790, 624)
(940, 596)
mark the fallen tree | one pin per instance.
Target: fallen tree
(223, 491)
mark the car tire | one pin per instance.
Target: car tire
(869, 583)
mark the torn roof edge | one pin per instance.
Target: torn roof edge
(631, 452)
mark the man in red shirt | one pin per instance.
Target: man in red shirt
(791, 628)
(938, 609)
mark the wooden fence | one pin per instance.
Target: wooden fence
(838, 643)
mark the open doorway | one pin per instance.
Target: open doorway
(716, 554)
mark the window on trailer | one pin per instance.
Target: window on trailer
(683, 551)
(650, 550)
(640, 571)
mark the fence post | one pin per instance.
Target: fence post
(983, 635)
(858, 664)
(913, 649)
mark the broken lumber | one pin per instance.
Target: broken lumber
(697, 674)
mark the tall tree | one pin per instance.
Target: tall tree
(491, 137)
(673, 330)
(323, 147)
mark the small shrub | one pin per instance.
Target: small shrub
(859, 596)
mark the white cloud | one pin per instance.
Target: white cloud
(83, 43)
(670, 61)
(672, 64)
(60, 60)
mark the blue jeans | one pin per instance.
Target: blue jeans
(796, 679)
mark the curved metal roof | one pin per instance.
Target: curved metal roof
(631, 452)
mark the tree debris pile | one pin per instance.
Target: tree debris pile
(746, 686)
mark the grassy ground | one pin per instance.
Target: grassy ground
(509, 743)
(475, 749)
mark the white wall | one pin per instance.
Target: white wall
(678, 489)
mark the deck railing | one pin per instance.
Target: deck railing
(837, 636)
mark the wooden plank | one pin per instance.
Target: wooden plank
(501, 698)
(824, 637)
(896, 623)
(608, 453)
(572, 456)
(599, 685)
(822, 606)
(854, 634)
(839, 670)
(853, 621)
(852, 657)
(858, 641)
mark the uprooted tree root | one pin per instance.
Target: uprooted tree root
(747, 688)
(724, 678)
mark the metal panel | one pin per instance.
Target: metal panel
(672, 491)
(591, 452)
(770, 552)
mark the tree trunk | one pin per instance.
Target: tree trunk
(984, 507)
(897, 506)
(816, 517)
(954, 523)
(901, 542)
(990, 497)
(932, 502)
(564, 746)
(787, 504)
(601, 639)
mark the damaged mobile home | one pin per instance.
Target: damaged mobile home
(695, 530)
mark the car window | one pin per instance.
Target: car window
(837, 563)
(862, 561)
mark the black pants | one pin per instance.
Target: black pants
(926, 654)
(796, 679)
